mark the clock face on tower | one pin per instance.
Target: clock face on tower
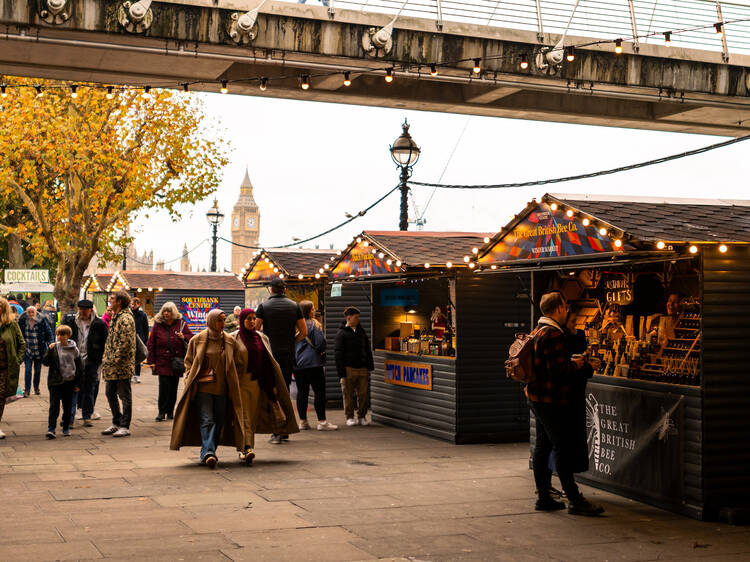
(236, 222)
(251, 222)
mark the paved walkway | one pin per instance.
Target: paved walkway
(356, 494)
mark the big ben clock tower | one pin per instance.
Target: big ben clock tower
(245, 225)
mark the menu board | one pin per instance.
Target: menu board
(195, 309)
(545, 233)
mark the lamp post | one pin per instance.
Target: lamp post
(215, 218)
(405, 154)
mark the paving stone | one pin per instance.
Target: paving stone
(74, 550)
(299, 537)
(173, 547)
(282, 553)
(240, 499)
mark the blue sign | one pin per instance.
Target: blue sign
(398, 296)
(413, 375)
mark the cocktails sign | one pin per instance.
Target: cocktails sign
(363, 260)
(545, 233)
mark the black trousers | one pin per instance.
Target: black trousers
(286, 362)
(167, 394)
(120, 390)
(60, 394)
(316, 378)
(555, 429)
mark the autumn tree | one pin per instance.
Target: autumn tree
(78, 168)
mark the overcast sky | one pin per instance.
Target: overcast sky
(312, 162)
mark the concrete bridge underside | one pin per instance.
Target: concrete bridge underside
(658, 88)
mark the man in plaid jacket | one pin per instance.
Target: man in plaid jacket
(549, 398)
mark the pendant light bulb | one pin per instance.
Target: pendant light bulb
(719, 27)
(661, 245)
(477, 66)
(147, 91)
(74, 91)
(347, 79)
(524, 62)
(693, 249)
(586, 222)
(618, 46)
(667, 38)
(571, 56)
(185, 87)
(723, 249)
(39, 92)
(3, 92)
(224, 89)
(389, 75)
(110, 92)
(305, 82)
(433, 70)
(603, 231)
(263, 84)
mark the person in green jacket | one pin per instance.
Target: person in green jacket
(12, 348)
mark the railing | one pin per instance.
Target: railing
(691, 22)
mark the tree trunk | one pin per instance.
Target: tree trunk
(68, 282)
(15, 253)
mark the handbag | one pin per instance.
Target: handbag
(141, 351)
(209, 375)
(177, 363)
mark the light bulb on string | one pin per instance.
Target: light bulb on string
(472, 265)
(224, 89)
(618, 243)
(389, 75)
(618, 46)
(347, 79)
(586, 222)
(486, 239)
(719, 27)
(524, 62)
(427, 265)
(433, 70)
(3, 91)
(147, 91)
(569, 213)
(305, 84)
(449, 264)
(475, 251)
(185, 87)
(263, 84)
(723, 249)
(398, 263)
(39, 92)
(693, 249)
(571, 55)
(661, 245)
(74, 91)
(667, 38)
(553, 206)
(603, 231)
(110, 92)
(477, 66)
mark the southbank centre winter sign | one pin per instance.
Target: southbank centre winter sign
(413, 375)
(195, 309)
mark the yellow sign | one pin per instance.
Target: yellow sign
(413, 375)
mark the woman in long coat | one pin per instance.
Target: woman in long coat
(167, 342)
(209, 412)
(266, 405)
(12, 348)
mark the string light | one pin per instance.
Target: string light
(661, 245)
(693, 249)
(366, 244)
(524, 62)
(667, 38)
(305, 85)
(110, 92)
(466, 259)
(74, 91)
(39, 92)
(493, 267)
(147, 91)
(224, 89)
(347, 80)
(475, 251)
(185, 87)
(389, 261)
(719, 27)
(317, 276)
(300, 276)
(586, 222)
(618, 46)
(553, 206)
(472, 265)
(427, 265)
(263, 84)
(477, 67)
(433, 70)
(603, 231)
(381, 255)
(571, 55)
(723, 248)
(281, 275)
(398, 263)
(389, 75)
(486, 239)
(569, 213)
(3, 92)
(449, 264)
(618, 243)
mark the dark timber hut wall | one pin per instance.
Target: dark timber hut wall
(726, 380)
(491, 309)
(352, 294)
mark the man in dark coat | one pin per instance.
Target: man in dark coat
(38, 336)
(141, 330)
(90, 334)
(354, 364)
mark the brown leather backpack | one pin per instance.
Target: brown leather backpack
(520, 363)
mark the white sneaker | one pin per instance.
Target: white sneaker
(325, 426)
(2, 435)
(304, 425)
(122, 432)
(364, 421)
(110, 430)
(79, 415)
(351, 421)
(96, 416)
(137, 380)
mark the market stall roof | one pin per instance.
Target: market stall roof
(569, 226)
(174, 280)
(379, 252)
(97, 282)
(292, 264)
(669, 219)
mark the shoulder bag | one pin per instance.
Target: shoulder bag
(178, 360)
(208, 374)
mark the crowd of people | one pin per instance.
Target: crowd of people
(237, 372)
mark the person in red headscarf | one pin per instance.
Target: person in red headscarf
(266, 405)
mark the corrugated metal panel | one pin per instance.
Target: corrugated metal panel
(725, 381)
(431, 412)
(352, 294)
(491, 309)
(227, 299)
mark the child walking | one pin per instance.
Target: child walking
(64, 378)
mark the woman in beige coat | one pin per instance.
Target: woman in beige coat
(209, 412)
(266, 405)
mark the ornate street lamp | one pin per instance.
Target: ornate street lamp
(214, 217)
(405, 154)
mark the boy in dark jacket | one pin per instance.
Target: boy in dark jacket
(64, 377)
(354, 364)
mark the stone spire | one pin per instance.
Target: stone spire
(246, 192)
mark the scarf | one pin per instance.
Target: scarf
(211, 318)
(258, 362)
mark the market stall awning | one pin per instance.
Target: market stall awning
(173, 280)
(391, 253)
(97, 282)
(287, 264)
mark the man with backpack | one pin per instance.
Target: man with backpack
(549, 391)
